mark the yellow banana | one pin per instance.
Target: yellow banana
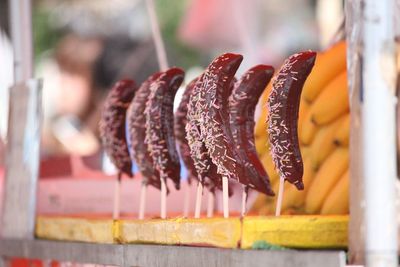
(293, 198)
(260, 201)
(332, 102)
(303, 110)
(308, 129)
(305, 151)
(270, 204)
(327, 66)
(323, 143)
(261, 143)
(261, 124)
(326, 177)
(269, 166)
(342, 135)
(337, 202)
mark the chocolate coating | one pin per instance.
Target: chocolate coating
(180, 122)
(136, 120)
(160, 124)
(112, 125)
(212, 110)
(242, 104)
(209, 177)
(283, 104)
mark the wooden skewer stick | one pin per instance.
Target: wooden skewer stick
(186, 200)
(117, 197)
(199, 194)
(163, 64)
(244, 200)
(280, 196)
(210, 204)
(225, 196)
(158, 41)
(142, 201)
(163, 213)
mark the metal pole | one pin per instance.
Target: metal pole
(378, 132)
(23, 137)
(21, 36)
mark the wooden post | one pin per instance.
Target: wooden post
(378, 83)
(21, 37)
(372, 72)
(22, 160)
(356, 224)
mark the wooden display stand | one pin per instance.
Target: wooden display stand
(303, 232)
(105, 237)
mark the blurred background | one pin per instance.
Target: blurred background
(82, 47)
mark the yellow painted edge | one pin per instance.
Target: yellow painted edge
(75, 229)
(216, 232)
(288, 231)
(296, 231)
(116, 231)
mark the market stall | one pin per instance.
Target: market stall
(277, 235)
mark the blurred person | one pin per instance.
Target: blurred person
(67, 93)
(88, 68)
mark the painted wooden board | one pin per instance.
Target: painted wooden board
(75, 229)
(316, 232)
(296, 231)
(216, 232)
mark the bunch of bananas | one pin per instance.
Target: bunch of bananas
(323, 130)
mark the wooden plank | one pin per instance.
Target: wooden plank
(356, 223)
(106, 254)
(371, 72)
(76, 229)
(166, 256)
(22, 160)
(213, 257)
(218, 232)
(306, 232)
(378, 87)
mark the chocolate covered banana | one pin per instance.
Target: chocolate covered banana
(136, 120)
(283, 104)
(160, 136)
(242, 104)
(112, 125)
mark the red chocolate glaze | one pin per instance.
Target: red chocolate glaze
(283, 104)
(160, 124)
(112, 125)
(180, 132)
(213, 111)
(181, 122)
(242, 104)
(136, 120)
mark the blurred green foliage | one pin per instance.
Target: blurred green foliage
(170, 14)
(45, 37)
